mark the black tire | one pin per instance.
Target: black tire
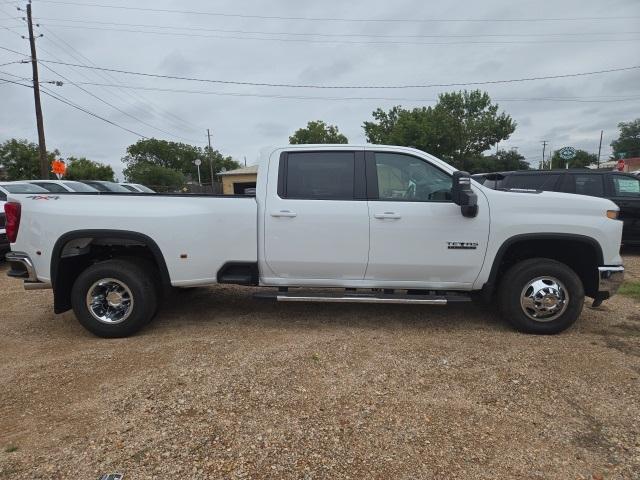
(152, 270)
(142, 294)
(512, 289)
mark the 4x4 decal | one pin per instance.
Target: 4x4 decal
(44, 197)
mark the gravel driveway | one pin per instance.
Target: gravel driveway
(225, 386)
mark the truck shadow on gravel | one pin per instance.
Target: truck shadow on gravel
(236, 305)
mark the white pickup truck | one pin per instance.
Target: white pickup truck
(329, 223)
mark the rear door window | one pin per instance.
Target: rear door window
(584, 184)
(531, 182)
(318, 176)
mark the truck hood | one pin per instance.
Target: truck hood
(556, 200)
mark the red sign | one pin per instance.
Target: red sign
(620, 165)
(58, 167)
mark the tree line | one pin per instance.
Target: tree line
(158, 163)
(460, 128)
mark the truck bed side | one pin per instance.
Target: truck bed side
(196, 235)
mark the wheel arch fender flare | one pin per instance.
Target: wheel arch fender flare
(490, 284)
(61, 289)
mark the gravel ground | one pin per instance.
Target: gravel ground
(224, 386)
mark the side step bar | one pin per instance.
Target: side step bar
(429, 299)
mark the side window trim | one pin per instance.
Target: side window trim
(373, 193)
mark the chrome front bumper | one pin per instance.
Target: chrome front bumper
(610, 279)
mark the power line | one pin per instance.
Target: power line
(292, 85)
(594, 99)
(14, 51)
(108, 77)
(60, 98)
(10, 30)
(104, 101)
(124, 112)
(341, 41)
(330, 35)
(335, 19)
(10, 63)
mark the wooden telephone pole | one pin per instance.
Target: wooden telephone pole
(42, 146)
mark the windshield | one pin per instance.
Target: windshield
(108, 187)
(144, 189)
(23, 188)
(79, 187)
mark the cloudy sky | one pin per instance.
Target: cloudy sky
(329, 43)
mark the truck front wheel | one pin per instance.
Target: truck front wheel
(114, 298)
(541, 296)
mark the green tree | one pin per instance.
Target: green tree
(503, 161)
(155, 176)
(457, 129)
(581, 160)
(176, 156)
(19, 159)
(84, 169)
(627, 144)
(317, 132)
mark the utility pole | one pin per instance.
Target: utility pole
(42, 147)
(210, 159)
(600, 147)
(544, 148)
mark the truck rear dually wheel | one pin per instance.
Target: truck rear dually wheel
(114, 298)
(541, 295)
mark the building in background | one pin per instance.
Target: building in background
(239, 180)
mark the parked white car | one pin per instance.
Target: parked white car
(63, 186)
(372, 223)
(137, 187)
(106, 186)
(7, 188)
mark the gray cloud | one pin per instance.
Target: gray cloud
(242, 125)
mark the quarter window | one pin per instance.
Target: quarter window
(320, 175)
(589, 185)
(626, 186)
(531, 181)
(406, 178)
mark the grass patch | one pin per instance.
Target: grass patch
(630, 289)
(11, 449)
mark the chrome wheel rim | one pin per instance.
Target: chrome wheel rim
(544, 299)
(110, 301)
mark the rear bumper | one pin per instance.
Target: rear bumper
(22, 267)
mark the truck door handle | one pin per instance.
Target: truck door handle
(390, 215)
(284, 213)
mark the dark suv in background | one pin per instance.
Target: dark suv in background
(621, 188)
